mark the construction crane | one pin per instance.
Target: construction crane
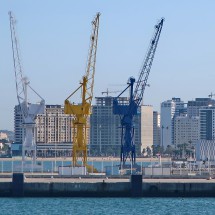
(211, 95)
(28, 110)
(81, 111)
(107, 92)
(128, 111)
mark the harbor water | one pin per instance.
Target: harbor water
(148, 206)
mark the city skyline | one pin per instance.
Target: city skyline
(54, 48)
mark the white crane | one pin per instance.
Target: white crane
(29, 111)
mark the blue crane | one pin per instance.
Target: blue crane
(127, 111)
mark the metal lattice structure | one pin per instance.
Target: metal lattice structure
(82, 111)
(135, 98)
(29, 111)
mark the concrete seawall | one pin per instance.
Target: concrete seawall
(111, 188)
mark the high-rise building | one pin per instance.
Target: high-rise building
(54, 126)
(17, 125)
(194, 106)
(207, 123)
(205, 148)
(105, 128)
(156, 128)
(146, 127)
(169, 110)
(53, 131)
(186, 130)
(167, 115)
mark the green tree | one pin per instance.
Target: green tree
(169, 150)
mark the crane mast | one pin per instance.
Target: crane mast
(28, 110)
(81, 111)
(128, 111)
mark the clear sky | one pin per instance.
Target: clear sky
(54, 39)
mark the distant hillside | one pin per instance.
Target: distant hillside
(10, 134)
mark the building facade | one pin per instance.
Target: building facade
(194, 106)
(146, 127)
(186, 130)
(53, 131)
(17, 125)
(207, 123)
(105, 128)
(170, 109)
(167, 116)
(156, 128)
(205, 148)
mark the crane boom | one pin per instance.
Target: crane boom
(135, 98)
(81, 111)
(144, 73)
(20, 81)
(90, 71)
(29, 111)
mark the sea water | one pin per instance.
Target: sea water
(108, 206)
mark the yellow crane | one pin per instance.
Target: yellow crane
(81, 111)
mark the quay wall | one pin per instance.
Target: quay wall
(109, 189)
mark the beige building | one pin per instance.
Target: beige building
(53, 126)
(146, 127)
(53, 131)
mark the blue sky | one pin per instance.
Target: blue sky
(54, 41)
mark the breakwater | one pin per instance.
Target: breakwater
(132, 186)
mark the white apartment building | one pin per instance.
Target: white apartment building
(146, 127)
(167, 116)
(186, 130)
(170, 109)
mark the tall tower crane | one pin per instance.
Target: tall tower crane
(128, 111)
(28, 110)
(81, 111)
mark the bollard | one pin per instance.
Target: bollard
(18, 185)
(136, 185)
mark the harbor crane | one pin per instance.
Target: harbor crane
(28, 110)
(128, 111)
(82, 111)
